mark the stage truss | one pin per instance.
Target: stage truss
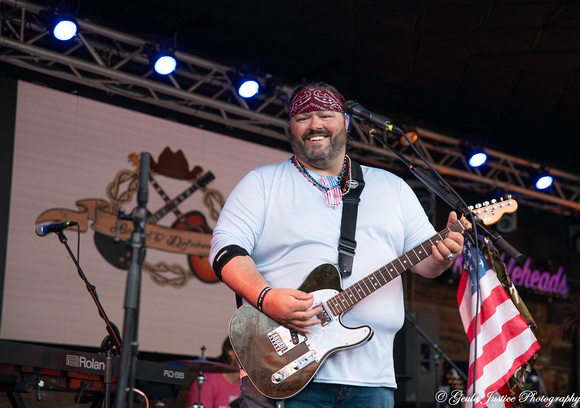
(117, 63)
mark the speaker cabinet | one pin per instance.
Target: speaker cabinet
(416, 362)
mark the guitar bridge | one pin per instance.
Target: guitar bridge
(294, 367)
(284, 340)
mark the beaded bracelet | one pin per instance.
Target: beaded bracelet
(261, 297)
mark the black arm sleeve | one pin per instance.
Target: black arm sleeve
(225, 255)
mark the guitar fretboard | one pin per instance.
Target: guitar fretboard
(349, 297)
(202, 182)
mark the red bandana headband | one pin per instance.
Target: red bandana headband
(311, 100)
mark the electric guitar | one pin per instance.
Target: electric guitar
(280, 362)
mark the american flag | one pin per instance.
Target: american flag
(504, 340)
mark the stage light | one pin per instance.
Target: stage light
(475, 156)
(248, 87)
(411, 137)
(543, 180)
(163, 61)
(62, 26)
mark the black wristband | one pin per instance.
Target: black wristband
(261, 297)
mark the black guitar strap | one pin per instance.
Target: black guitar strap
(347, 243)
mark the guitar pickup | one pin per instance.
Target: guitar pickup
(284, 340)
(293, 367)
(324, 317)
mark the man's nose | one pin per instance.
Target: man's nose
(315, 123)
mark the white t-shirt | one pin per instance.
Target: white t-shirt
(285, 224)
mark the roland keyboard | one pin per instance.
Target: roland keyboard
(24, 365)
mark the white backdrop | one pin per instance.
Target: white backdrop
(70, 149)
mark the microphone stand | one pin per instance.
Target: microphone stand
(440, 187)
(436, 184)
(128, 362)
(113, 336)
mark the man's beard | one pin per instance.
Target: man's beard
(320, 158)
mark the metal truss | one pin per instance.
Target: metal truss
(117, 63)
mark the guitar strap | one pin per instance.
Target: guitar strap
(347, 243)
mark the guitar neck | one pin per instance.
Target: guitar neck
(202, 182)
(349, 297)
(169, 205)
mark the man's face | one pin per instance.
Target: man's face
(319, 138)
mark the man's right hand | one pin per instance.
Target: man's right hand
(292, 309)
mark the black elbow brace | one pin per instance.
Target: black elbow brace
(225, 255)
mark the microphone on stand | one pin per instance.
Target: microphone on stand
(43, 230)
(355, 110)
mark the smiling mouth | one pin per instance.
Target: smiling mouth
(317, 138)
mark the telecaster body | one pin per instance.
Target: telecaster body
(281, 362)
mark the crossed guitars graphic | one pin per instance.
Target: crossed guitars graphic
(120, 257)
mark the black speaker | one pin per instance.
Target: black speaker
(416, 362)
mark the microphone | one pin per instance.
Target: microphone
(357, 111)
(43, 230)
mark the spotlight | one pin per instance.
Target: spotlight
(475, 156)
(248, 87)
(543, 180)
(62, 26)
(163, 61)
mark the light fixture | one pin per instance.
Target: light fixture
(543, 179)
(62, 26)
(162, 60)
(475, 156)
(411, 137)
(248, 86)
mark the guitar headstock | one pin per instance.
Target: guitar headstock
(491, 212)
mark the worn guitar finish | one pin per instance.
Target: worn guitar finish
(280, 362)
